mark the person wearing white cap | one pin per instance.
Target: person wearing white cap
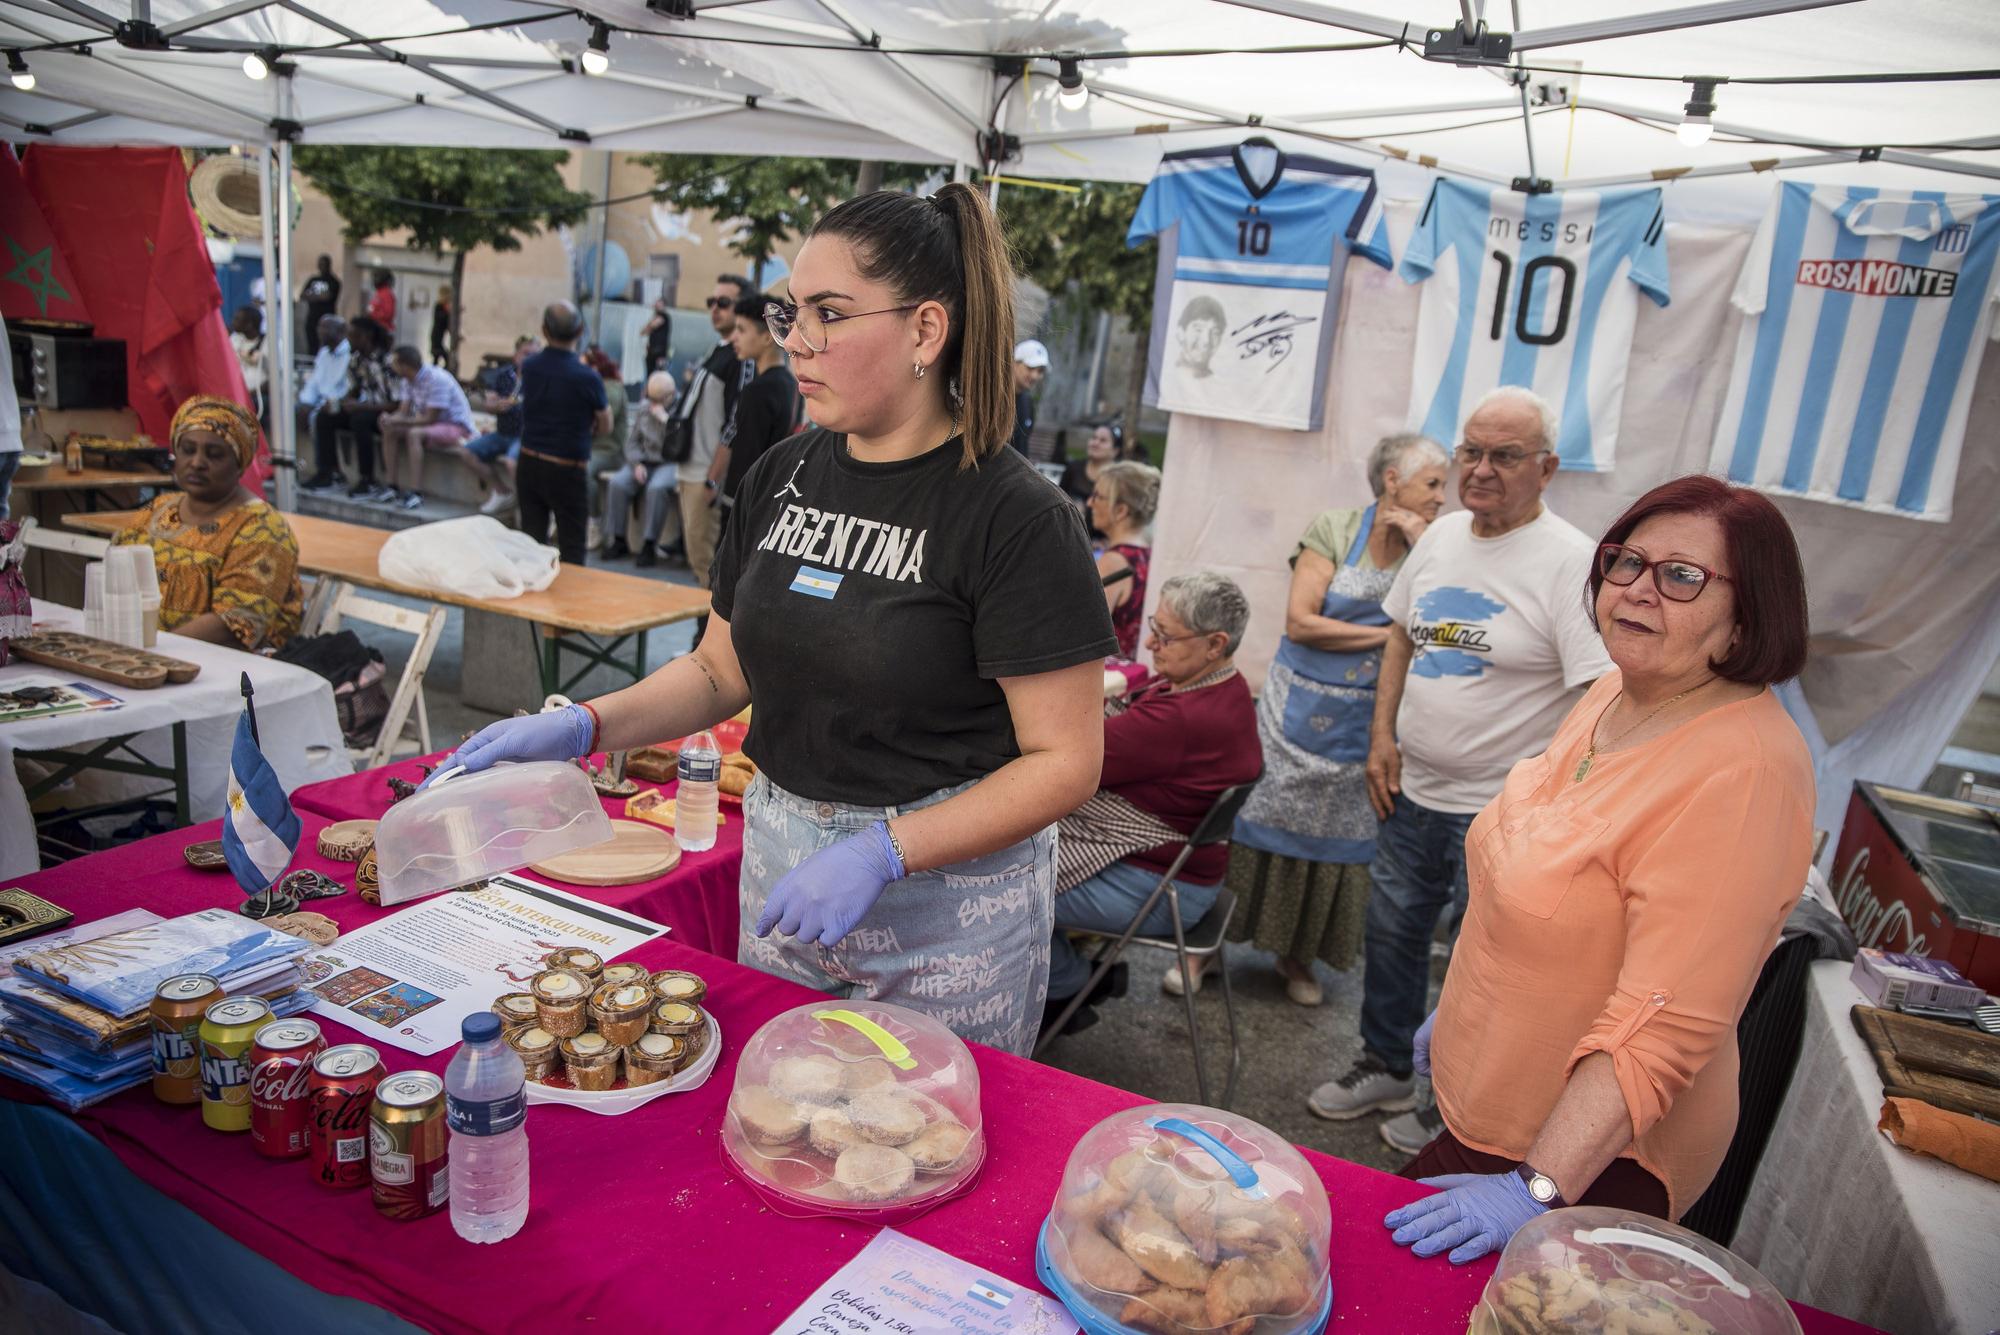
(1031, 363)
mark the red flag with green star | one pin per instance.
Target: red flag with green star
(35, 281)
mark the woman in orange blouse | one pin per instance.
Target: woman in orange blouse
(228, 563)
(1627, 885)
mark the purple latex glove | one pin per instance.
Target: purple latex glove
(560, 734)
(826, 896)
(1473, 1214)
(1420, 1054)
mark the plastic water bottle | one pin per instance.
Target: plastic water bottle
(700, 770)
(486, 1109)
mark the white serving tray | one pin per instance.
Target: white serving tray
(612, 1102)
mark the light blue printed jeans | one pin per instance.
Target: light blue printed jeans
(967, 945)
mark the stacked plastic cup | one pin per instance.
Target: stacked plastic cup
(124, 615)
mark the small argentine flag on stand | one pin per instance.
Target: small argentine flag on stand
(260, 831)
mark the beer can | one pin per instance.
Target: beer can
(339, 1092)
(406, 1146)
(227, 1027)
(177, 1009)
(280, 1069)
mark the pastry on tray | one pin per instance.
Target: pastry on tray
(620, 1011)
(766, 1118)
(586, 962)
(679, 985)
(939, 1146)
(562, 1001)
(516, 1009)
(652, 1058)
(625, 973)
(813, 1078)
(832, 1132)
(873, 1172)
(591, 1061)
(536, 1048)
(886, 1117)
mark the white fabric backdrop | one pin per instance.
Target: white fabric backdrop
(1902, 611)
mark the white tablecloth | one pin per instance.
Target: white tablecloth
(295, 720)
(1843, 1220)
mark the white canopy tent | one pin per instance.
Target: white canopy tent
(1590, 93)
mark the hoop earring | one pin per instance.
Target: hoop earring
(918, 367)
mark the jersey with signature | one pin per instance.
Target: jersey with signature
(1534, 290)
(1253, 242)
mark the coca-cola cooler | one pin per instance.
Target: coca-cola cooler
(1921, 875)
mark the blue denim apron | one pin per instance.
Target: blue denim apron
(1324, 725)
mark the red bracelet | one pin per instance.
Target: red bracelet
(596, 726)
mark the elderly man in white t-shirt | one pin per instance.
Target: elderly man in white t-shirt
(1489, 647)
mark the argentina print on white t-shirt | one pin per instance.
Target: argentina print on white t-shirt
(1868, 312)
(1534, 290)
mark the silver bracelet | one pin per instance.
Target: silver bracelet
(896, 844)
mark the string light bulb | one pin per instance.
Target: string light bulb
(597, 55)
(1069, 82)
(17, 69)
(1698, 122)
(257, 65)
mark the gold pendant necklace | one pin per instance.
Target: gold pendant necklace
(1590, 751)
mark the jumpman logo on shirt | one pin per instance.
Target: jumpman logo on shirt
(791, 483)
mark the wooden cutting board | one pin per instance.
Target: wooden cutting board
(635, 852)
(1946, 1065)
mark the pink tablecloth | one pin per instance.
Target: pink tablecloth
(697, 898)
(635, 1222)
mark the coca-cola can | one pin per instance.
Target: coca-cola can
(406, 1145)
(340, 1091)
(177, 1009)
(280, 1098)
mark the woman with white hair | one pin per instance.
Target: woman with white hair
(1180, 742)
(645, 446)
(1299, 860)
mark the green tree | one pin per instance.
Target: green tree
(1076, 240)
(451, 200)
(771, 200)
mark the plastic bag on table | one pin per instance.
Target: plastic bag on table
(473, 557)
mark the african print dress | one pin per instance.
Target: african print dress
(243, 566)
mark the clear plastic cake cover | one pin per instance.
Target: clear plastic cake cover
(1590, 1269)
(466, 827)
(855, 1109)
(1189, 1219)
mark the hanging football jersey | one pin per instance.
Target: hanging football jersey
(1534, 290)
(1868, 312)
(1253, 245)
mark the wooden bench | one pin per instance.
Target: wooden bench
(598, 616)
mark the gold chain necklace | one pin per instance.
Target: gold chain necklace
(1590, 751)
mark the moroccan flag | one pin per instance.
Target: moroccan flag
(123, 216)
(35, 281)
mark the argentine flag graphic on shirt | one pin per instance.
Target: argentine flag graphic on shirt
(260, 831)
(1867, 312)
(1534, 290)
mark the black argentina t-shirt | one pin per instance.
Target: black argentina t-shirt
(873, 606)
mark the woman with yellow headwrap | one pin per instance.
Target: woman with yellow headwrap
(229, 565)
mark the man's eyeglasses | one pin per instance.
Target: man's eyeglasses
(1680, 581)
(1505, 458)
(812, 322)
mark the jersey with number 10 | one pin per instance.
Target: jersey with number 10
(1532, 290)
(1253, 245)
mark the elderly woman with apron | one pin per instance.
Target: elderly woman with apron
(1299, 862)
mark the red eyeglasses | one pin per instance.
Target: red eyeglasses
(1680, 581)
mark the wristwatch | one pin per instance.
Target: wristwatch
(1542, 1187)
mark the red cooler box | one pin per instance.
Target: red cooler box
(1921, 875)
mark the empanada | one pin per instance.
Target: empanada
(1100, 1264)
(1167, 1312)
(1162, 1250)
(1242, 1286)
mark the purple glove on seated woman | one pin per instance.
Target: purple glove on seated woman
(826, 896)
(1420, 1052)
(559, 734)
(1475, 1214)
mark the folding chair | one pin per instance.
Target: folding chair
(408, 697)
(1205, 938)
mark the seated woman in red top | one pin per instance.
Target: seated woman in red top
(1186, 736)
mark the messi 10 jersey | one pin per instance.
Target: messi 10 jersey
(1253, 245)
(1867, 316)
(1532, 290)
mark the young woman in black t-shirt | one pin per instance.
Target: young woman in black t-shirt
(915, 613)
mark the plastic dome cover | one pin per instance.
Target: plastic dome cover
(1590, 1269)
(467, 827)
(855, 1109)
(1178, 1218)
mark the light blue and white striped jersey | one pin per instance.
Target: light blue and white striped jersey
(1868, 314)
(1253, 244)
(1538, 290)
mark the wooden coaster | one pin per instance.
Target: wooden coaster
(314, 927)
(635, 852)
(347, 840)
